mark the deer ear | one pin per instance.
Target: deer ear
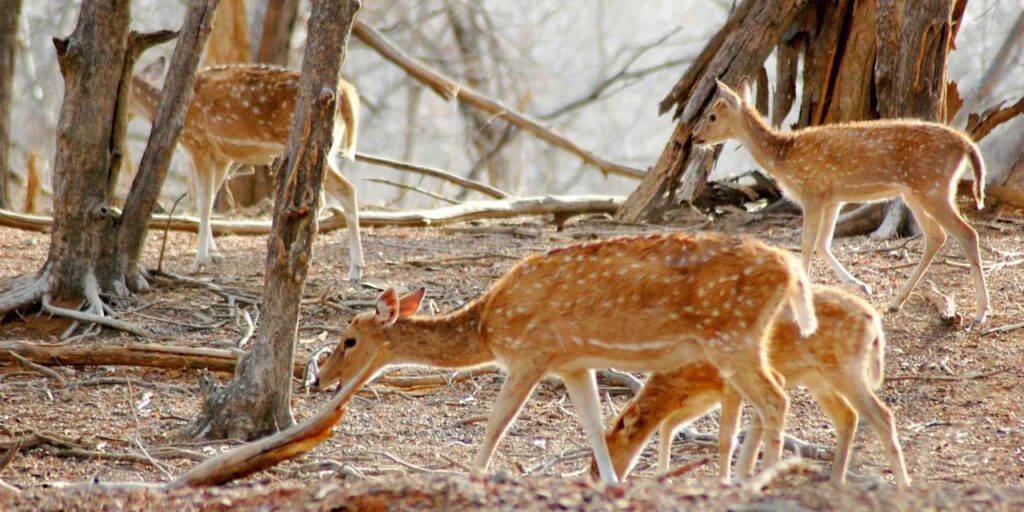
(388, 307)
(731, 99)
(746, 91)
(409, 304)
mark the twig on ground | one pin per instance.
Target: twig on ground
(39, 368)
(121, 381)
(469, 420)
(455, 463)
(250, 328)
(8, 488)
(414, 467)
(684, 469)
(9, 456)
(971, 376)
(167, 227)
(566, 456)
(138, 437)
(457, 260)
(1003, 328)
(783, 468)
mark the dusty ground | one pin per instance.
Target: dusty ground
(962, 432)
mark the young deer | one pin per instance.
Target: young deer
(840, 364)
(822, 167)
(242, 113)
(644, 304)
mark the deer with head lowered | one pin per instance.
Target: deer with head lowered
(839, 364)
(646, 304)
(822, 167)
(242, 113)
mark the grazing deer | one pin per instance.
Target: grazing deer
(645, 304)
(840, 364)
(822, 167)
(242, 113)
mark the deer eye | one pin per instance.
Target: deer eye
(350, 342)
(713, 117)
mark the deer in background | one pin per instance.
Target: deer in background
(839, 364)
(242, 113)
(822, 167)
(644, 304)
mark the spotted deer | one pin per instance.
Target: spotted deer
(645, 304)
(822, 167)
(839, 364)
(242, 113)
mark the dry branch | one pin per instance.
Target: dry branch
(979, 126)
(448, 89)
(483, 188)
(470, 210)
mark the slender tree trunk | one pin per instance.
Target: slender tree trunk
(257, 401)
(10, 13)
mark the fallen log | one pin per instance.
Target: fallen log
(470, 210)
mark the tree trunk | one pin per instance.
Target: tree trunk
(10, 13)
(257, 401)
(738, 50)
(90, 60)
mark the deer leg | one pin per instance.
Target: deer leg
(944, 212)
(860, 396)
(220, 176)
(826, 230)
(204, 179)
(728, 424)
(809, 234)
(345, 192)
(513, 395)
(844, 420)
(934, 239)
(756, 385)
(582, 388)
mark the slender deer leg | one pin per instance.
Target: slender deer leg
(666, 435)
(221, 170)
(758, 387)
(934, 239)
(826, 230)
(204, 178)
(944, 212)
(844, 419)
(880, 418)
(513, 395)
(582, 388)
(728, 424)
(809, 234)
(346, 194)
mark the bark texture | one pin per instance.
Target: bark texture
(257, 401)
(10, 12)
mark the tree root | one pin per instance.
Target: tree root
(96, 318)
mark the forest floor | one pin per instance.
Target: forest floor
(955, 394)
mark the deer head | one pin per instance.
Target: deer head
(724, 118)
(368, 335)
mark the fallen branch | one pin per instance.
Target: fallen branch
(1003, 328)
(466, 183)
(979, 126)
(470, 210)
(412, 188)
(684, 469)
(944, 304)
(105, 321)
(284, 445)
(39, 369)
(948, 378)
(447, 88)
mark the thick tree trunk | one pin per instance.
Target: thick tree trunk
(738, 50)
(90, 60)
(10, 13)
(257, 401)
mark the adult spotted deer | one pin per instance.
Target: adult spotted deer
(644, 304)
(839, 364)
(242, 113)
(822, 167)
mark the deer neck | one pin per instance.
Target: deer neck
(144, 98)
(452, 340)
(766, 145)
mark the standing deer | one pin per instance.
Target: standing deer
(644, 304)
(242, 113)
(822, 167)
(840, 364)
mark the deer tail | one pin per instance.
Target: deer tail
(801, 299)
(978, 165)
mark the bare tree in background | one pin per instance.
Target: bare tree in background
(10, 12)
(257, 401)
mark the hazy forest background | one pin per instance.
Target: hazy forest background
(593, 70)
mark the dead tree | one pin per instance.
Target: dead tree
(862, 60)
(10, 12)
(94, 249)
(257, 401)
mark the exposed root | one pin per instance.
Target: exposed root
(23, 291)
(95, 318)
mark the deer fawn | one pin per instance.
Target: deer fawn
(822, 167)
(840, 364)
(645, 304)
(241, 113)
